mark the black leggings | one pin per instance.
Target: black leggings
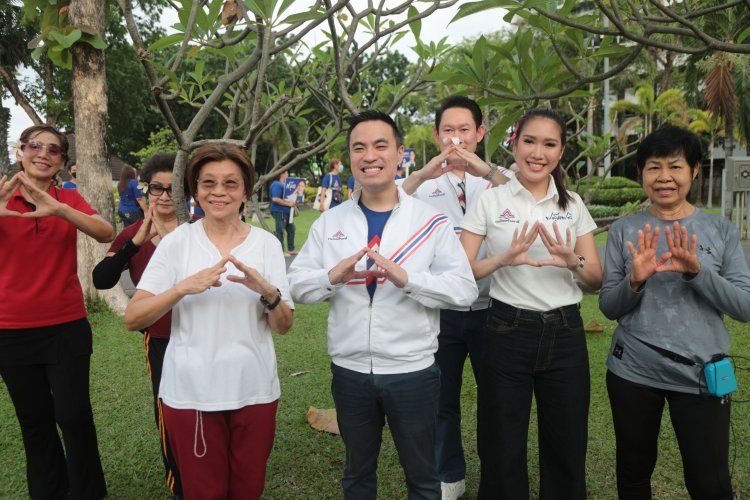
(46, 396)
(701, 425)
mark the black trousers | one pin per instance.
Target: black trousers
(701, 425)
(46, 396)
(155, 349)
(544, 355)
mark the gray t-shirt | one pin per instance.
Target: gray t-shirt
(683, 316)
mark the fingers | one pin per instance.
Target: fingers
(220, 266)
(631, 249)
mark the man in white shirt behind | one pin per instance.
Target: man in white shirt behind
(452, 183)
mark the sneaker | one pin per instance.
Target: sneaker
(293, 252)
(452, 491)
(287, 254)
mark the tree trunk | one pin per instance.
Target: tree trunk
(710, 202)
(92, 157)
(4, 125)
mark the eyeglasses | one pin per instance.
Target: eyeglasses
(36, 147)
(158, 190)
(231, 185)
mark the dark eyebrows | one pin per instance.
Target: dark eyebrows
(549, 139)
(376, 142)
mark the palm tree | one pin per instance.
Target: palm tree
(649, 111)
(706, 122)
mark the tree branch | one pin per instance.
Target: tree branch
(15, 91)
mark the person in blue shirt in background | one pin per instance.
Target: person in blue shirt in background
(332, 181)
(280, 211)
(132, 206)
(72, 183)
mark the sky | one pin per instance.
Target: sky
(433, 29)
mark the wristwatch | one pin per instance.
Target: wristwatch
(271, 306)
(581, 263)
(491, 173)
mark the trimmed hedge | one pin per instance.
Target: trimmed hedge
(603, 212)
(615, 191)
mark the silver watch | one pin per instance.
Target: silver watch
(491, 173)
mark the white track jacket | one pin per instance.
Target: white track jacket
(396, 331)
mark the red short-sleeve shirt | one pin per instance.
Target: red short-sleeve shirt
(39, 280)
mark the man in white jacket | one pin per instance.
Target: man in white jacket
(387, 263)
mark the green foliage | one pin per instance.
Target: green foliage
(161, 141)
(613, 192)
(57, 36)
(613, 182)
(603, 211)
(618, 197)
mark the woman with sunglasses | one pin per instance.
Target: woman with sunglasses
(226, 285)
(132, 249)
(45, 338)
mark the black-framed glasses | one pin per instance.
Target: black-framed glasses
(158, 190)
(36, 147)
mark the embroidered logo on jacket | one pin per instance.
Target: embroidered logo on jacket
(506, 216)
(338, 236)
(554, 216)
(436, 193)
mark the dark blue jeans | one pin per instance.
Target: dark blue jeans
(409, 401)
(460, 336)
(544, 354)
(700, 423)
(129, 218)
(282, 224)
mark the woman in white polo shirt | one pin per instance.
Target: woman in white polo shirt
(226, 285)
(539, 242)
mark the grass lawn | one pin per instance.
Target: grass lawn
(306, 463)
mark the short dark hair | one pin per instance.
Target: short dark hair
(670, 140)
(160, 162)
(369, 116)
(459, 101)
(218, 152)
(35, 130)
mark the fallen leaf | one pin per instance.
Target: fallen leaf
(323, 420)
(592, 326)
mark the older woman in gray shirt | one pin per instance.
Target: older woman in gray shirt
(670, 275)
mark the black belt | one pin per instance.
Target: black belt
(564, 311)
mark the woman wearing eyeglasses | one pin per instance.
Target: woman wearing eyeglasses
(226, 285)
(132, 249)
(45, 338)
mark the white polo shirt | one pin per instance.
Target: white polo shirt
(498, 213)
(442, 193)
(220, 354)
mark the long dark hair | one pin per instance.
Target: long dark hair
(563, 195)
(126, 174)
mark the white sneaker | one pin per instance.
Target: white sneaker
(452, 491)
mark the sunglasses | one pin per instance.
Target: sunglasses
(158, 190)
(36, 147)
